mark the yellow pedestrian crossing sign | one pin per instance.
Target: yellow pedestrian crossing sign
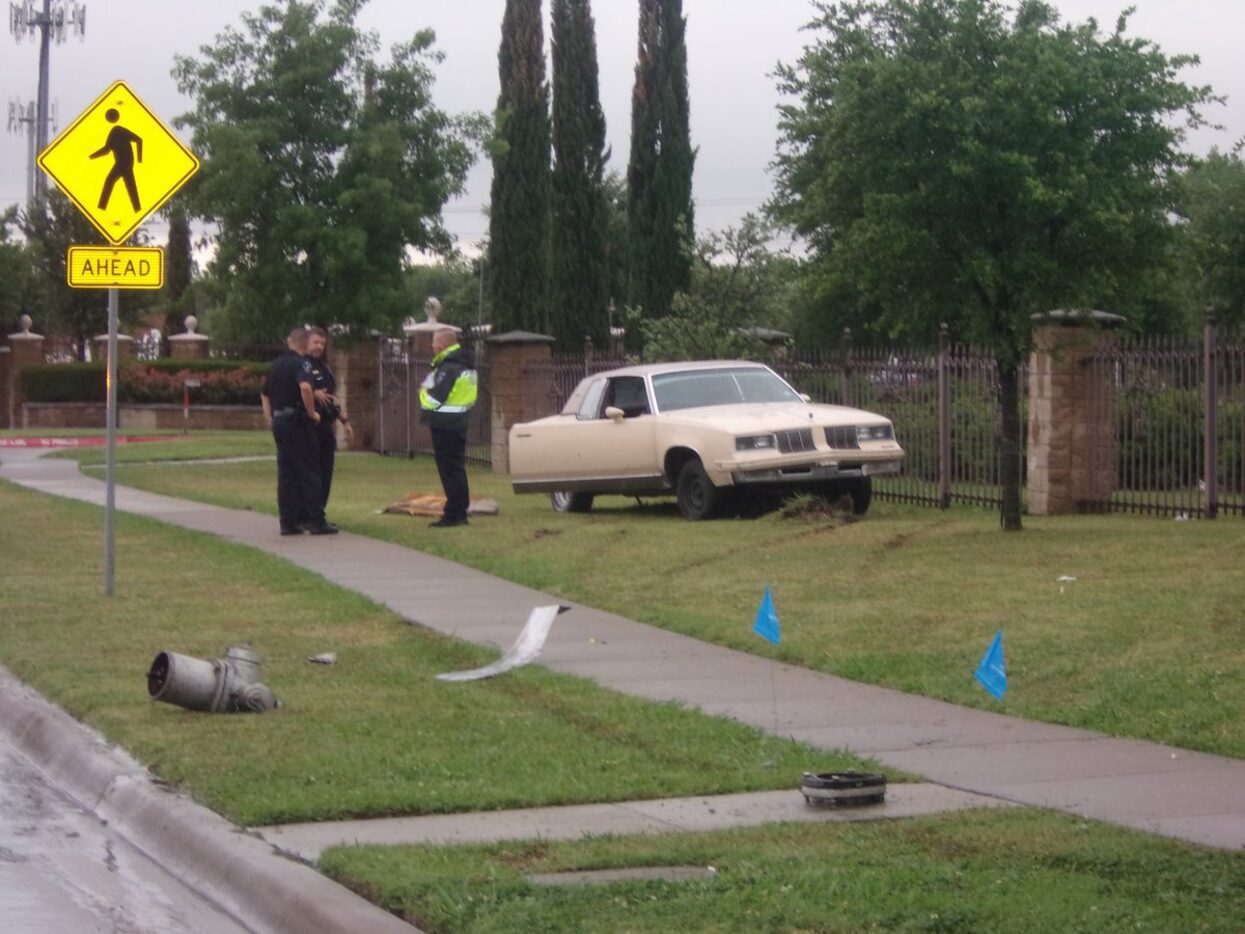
(118, 163)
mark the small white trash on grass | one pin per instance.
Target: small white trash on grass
(525, 649)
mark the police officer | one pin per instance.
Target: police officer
(289, 407)
(445, 399)
(324, 388)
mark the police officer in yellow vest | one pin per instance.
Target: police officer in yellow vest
(445, 400)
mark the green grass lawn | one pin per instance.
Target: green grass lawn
(1149, 641)
(1011, 870)
(374, 734)
(196, 445)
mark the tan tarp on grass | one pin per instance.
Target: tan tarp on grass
(433, 504)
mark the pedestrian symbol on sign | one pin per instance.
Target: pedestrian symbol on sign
(121, 143)
(118, 142)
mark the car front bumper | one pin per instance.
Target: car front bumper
(807, 471)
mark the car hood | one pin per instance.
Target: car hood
(758, 418)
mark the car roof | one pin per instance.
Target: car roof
(651, 369)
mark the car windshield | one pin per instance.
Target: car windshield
(725, 386)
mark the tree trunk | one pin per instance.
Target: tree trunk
(1009, 442)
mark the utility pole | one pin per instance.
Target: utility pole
(50, 19)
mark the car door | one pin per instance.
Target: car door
(622, 450)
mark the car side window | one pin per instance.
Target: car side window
(629, 394)
(591, 406)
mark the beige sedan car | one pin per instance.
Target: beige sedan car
(707, 432)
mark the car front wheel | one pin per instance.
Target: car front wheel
(698, 497)
(861, 492)
(859, 489)
(571, 502)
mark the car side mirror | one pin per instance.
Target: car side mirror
(806, 397)
(614, 413)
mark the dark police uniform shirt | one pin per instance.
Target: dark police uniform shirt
(322, 378)
(284, 376)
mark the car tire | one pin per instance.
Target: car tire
(830, 789)
(861, 492)
(571, 502)
(698, 497)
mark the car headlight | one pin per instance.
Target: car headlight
(756, 443)
(875, 432)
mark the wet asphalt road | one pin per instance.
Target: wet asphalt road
(62, 871)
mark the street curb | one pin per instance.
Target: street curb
(239, 873)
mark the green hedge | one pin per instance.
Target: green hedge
(222, 382)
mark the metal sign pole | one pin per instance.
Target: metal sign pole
(122, 122)
(110, 470)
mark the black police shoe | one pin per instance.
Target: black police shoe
(291, 529)
(324, 528)
(445, 522)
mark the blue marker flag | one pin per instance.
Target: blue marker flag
(766, 625)
(992, 672)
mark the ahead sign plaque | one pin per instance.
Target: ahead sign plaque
(115, 267)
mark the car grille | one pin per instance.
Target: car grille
(793, 442)
(843, 437)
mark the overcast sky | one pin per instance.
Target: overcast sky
(733, 46)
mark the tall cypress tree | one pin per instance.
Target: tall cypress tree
(580, 280)
(180, 265)
(518, 267)
(659, 175)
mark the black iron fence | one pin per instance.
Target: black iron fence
(943, 401)
(1175, 406)
(562, 373)
(400, 431)
(1179, 411)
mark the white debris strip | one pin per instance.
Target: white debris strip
(1063, 580)
(525, 649)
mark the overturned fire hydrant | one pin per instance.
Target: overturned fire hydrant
(221, 685)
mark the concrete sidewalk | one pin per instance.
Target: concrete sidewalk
(1165, 790)
(668, 815)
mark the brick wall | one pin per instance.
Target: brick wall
(154, 417)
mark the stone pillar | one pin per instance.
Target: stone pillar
(191, 345)
(517, 396)
(125, 348)
(5, 417)
(25, 349)
(1072, 413)
(358, 387)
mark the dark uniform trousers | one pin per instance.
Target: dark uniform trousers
(299, 495)
(450, 450)
(326, 445)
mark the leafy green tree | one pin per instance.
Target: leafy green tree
(179, 267)
(659, 175)
(455, 283)
(16, 272)
(322, 166)
(580, 255)
(739, 289)
(947, 163)
(518, 267)
(61, 312)
(1212, 206)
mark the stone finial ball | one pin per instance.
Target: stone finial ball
(191, 323)
(25, 322)
(432, 308)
